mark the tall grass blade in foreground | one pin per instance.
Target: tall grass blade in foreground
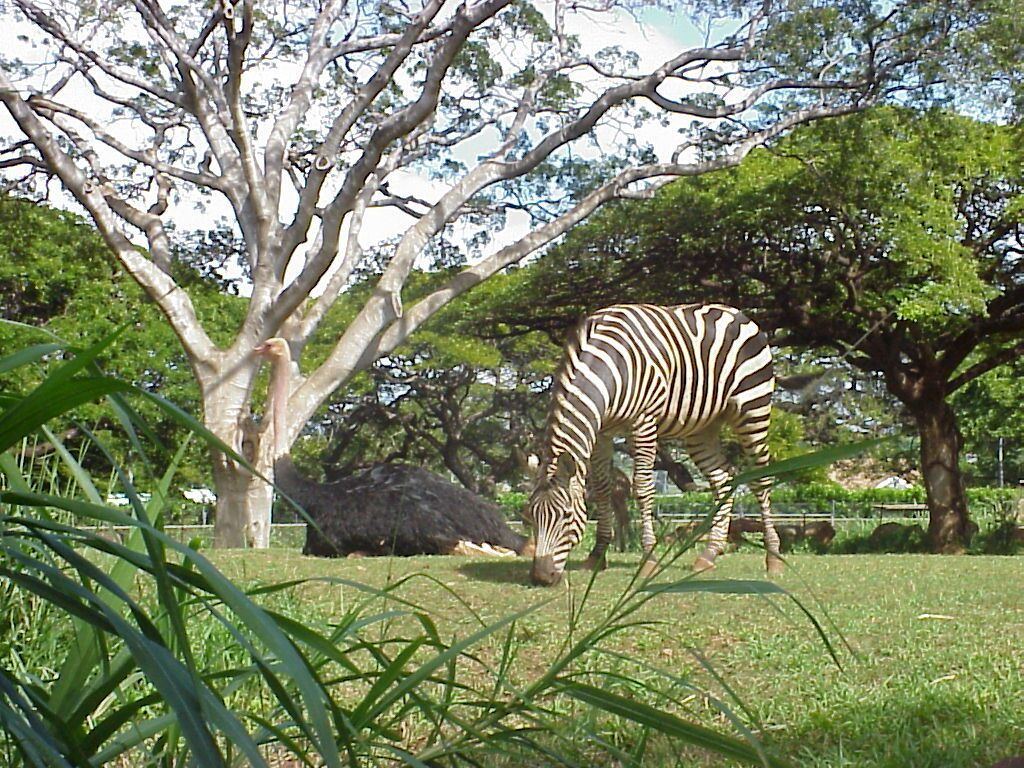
(169, 662)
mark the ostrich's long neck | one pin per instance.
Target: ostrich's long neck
(280, 378)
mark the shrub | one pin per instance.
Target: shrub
(512, 503)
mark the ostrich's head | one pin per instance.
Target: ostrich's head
(273, 349)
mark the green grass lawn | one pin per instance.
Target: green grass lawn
(931, 648)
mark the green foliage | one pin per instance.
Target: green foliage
(474, 62)
(825, 492)
(990, 410)
(863, 216)
(57, 274)
(46, 256)
(829, 491)
(891, 177)
(787, 438)
(512, 503)
(989, 62)
(525, 19)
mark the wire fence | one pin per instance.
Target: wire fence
(290, 535)
(668, 509)
(683, 510)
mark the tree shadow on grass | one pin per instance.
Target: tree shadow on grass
(498, 571)
(517, 570)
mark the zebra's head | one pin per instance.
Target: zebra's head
(557, 512)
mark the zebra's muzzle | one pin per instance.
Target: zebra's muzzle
(544, 573)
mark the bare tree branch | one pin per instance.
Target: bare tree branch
(174, 302)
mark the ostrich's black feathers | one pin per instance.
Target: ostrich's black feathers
(393, 509)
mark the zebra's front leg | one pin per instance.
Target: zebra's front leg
(645, 447)
(596, 559)
(600, 489)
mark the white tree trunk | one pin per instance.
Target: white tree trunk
(244, 503)
(244, 499)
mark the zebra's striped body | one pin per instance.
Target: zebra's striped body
(676, 372)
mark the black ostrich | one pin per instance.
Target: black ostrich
(388, 509)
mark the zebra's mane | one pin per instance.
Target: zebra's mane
(574, 338)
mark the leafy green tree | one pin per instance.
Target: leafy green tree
(892, 237)
(298, 118)
(473, 409)
(46, 255)
(993, 422)
(57, 275)
(989, 61)
(833, 400)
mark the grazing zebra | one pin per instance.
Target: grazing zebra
(658, 372)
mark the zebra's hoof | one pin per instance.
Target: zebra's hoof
(775, 565)
(594, 564)
(702, 564)
(648, 568)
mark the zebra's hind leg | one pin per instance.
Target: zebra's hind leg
(645, 449)
(705, 448)
(773, 561)
(600, 489)
(751, 430)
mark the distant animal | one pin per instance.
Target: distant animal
(659, 373)
(895, 536)
(683, 533)
(620, 492)
(388, 509)
(821, 532)
(741, 525)
(790, 534)
(884, 532)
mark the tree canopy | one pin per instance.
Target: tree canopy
(893, 237)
